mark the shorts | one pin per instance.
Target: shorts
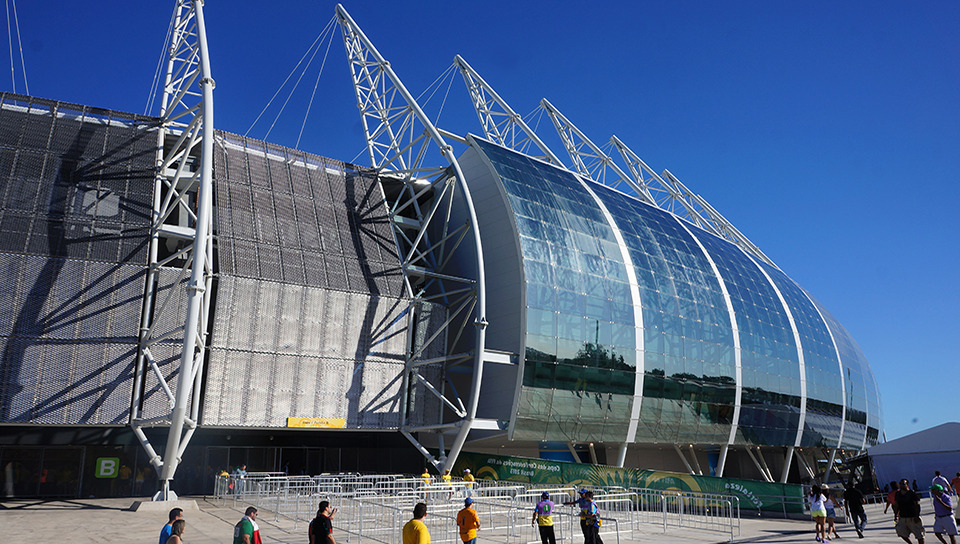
(831, 513)
(818, 513)
(909, 526)
(945, 524)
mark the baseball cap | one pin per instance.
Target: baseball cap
(466, 470)
(583, 490)
(545, 495)
(468, 501)
(936, 487)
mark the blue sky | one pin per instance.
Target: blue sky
(828, 132)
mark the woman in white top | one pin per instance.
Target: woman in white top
(818, 510)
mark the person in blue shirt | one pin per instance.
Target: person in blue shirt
(581, 503)
(175, 514)
(591, 515)
(943, 510)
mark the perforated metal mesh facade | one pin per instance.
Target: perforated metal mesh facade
(310, 320)
(76, 186)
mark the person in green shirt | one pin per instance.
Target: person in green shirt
(246, 531)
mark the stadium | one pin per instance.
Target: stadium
(181, 300)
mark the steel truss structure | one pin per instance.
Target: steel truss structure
(592, 162)
(182, 223)
(500, 123)
(400, 139)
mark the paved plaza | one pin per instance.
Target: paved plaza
(113, 520)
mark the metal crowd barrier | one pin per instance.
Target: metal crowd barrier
(375, 508)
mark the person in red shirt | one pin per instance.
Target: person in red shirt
(956, 484)
(890, 496)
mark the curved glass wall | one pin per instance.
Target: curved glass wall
(865, 415)
(689, 383)
(579, 373)
(580, 341)
(825, 397)
(770, 365)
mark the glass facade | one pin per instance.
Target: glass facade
(579, 374)
(689, 383)
(583, 353)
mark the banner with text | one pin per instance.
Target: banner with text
(753, 495)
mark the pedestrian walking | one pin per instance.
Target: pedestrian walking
(955, 482)
(415, 531)
(943, 511)
(321, 528)
(906, 506)
(581, 504)
(246, 531)
(167, 529)
(468, 480)
(543, 519)
(853, 498)
(832, 507)
(890, 496)
(468, 522)
(176, 532)
(818, 510)
(593, 521)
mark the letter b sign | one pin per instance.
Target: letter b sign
(107, 467)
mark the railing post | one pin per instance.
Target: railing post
(663, 507)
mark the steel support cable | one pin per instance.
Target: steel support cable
(293, 71)
(314, 93)
(295, 86)
(23, 67)
(447, 73)
(13, 79)
(164, 55)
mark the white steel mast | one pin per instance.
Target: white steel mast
(399, 136)
(182, 217)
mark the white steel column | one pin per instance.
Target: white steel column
(830, 460)
(622, 455)
(399, 136)
(788, 459)
(186, 116)
(683, 458)
(722, 462)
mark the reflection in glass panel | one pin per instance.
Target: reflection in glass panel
(581, 335)
(770, 405)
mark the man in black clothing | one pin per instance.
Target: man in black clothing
(853, 498)
(906, 505)
(321, 528)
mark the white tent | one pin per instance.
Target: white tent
(916, 456)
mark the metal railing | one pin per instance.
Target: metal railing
(375, 508)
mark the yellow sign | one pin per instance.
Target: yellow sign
(317, 422)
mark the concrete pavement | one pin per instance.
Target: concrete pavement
(112, 520)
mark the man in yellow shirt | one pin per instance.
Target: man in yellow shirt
(426, 476)
(415, 531)
(468, 522)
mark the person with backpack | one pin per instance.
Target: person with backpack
(543, 518)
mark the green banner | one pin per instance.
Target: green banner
(753, 495)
